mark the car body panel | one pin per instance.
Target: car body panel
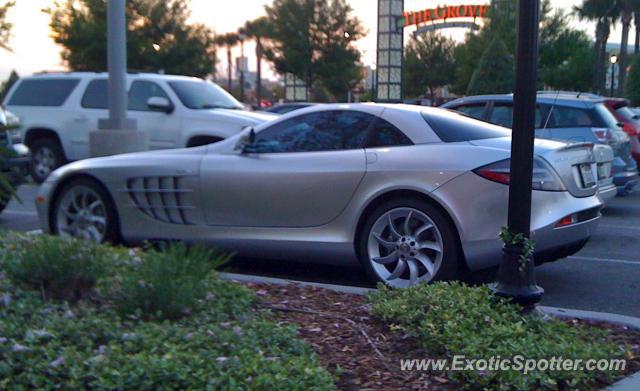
(225, 202)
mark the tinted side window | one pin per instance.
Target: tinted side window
(571, 117)
(323, 131)
(140, 93)
(451, 127)
(95, 96)
(502, 115)
(45, 92)
(475, 110)
(386, 135)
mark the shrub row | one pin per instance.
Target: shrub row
(143, 321)
(449, 319)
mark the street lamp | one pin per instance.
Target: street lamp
(614, 61)
(515, 281)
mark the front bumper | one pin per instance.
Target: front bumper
(16, 167)
(625, 181)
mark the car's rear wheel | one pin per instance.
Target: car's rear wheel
(409, 241)
(84, 210)
(46, 156)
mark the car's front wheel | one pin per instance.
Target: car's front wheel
(408, 241)
(84, 210)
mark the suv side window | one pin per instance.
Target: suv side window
(321, 131)
(95, 96)
(43, 92)
(502, 114)
(473, 110)
(384, 134)
(140, 93)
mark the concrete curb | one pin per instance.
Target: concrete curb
(622, 320)
(631, 383)
(280, 281)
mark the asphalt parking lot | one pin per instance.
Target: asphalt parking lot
(604, 276)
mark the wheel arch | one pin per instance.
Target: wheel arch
(405, 193)
(83, 175)
(35, 133)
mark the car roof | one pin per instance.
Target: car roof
(131, 75)
(572, 99)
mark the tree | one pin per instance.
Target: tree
(5, 27)
(495, 73)
(633, 83)
(555, 33)
(159, 37)
(260, 30)
(7, 84)
(566, 61)
(603, 13)
(228, 40)
(429, 64)
(313, 39)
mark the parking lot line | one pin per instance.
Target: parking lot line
(592, 259)
(20, 212)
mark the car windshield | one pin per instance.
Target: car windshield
(453, 127)
(200, 95)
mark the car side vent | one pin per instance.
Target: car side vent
(162, 198)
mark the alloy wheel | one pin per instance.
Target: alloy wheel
(405, 247)
(82, 214)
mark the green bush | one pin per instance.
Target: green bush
(167, 284)
(451, 319)
(59, 268)
(632, 89)
(225, 346)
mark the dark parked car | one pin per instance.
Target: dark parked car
(285, 108)
(630, 121)
(14, 156)
(563, 116)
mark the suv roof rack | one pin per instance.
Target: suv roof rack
(577, 94)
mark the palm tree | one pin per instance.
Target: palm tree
(636, 22)
(228, 40)
(258, 29)
(625, 10)
(603, 13)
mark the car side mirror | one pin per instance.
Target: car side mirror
(246, 143)
(159, 103)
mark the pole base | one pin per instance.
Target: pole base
(518, 286)
(114, 142)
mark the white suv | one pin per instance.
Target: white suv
(58, 111)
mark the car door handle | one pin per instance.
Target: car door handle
(372, 157)
(81, 119)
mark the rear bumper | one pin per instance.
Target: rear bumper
(607, 193)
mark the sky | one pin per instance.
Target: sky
(34, 51)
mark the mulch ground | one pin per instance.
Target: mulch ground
(366, 353)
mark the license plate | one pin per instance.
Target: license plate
(587, 175)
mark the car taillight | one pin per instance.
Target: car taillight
(602, 134)
(567, 220)
(544, 177)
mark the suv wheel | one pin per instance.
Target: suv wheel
(408, 241)
(46, 157)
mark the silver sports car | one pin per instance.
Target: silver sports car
(412, 193)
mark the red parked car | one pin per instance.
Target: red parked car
(630, 122)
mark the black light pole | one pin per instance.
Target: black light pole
(614, 60)
(512, 282)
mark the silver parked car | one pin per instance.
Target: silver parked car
(414, 193)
